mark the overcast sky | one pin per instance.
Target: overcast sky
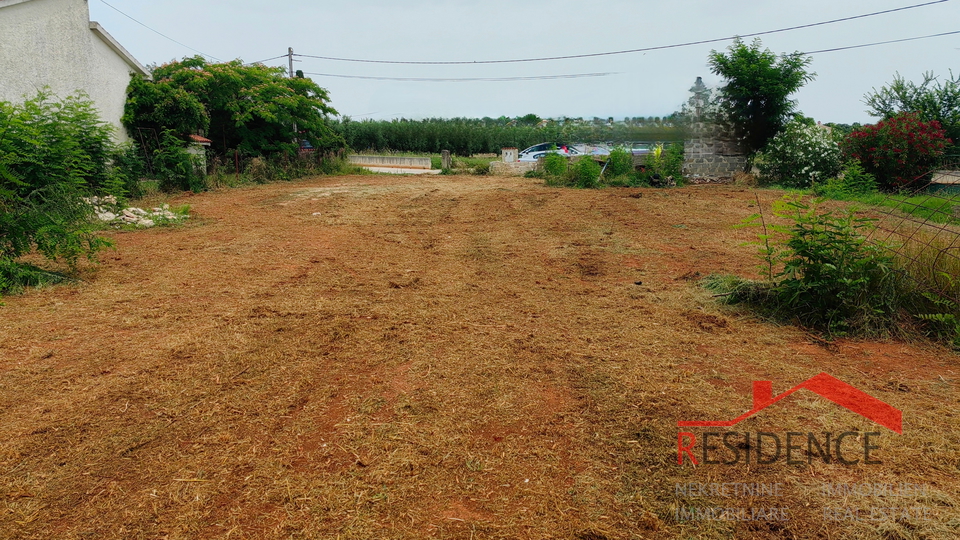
(654, 83)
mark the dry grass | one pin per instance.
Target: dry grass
(444, 357)
(930, 255)
(745, 179)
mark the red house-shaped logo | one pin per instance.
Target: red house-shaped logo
(823, 385)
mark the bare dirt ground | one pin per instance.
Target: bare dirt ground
(439, 357)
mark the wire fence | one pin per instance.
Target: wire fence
(921, 226)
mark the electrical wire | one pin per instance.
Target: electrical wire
(882, 43)
(267, 60)
(582, 75)
(159, 33)
(628, 51)
(469, 79)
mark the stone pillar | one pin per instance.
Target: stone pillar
(510, 155)
(445, 160)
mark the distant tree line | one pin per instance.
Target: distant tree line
(468, 136)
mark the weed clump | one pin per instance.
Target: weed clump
(554, 169)
(851, 182)
(585, 173)
(662, 166)
(822, 272)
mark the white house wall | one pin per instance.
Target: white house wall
(50, 43)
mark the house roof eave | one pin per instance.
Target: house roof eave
(8, 3)
(117, 48)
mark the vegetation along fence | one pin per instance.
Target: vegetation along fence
(921, 225)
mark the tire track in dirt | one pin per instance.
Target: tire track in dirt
(475, 353)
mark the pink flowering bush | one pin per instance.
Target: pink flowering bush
(897, 151)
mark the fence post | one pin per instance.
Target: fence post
(446, 162)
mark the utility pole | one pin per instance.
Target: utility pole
(296, 132)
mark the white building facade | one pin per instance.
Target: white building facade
(53, 44)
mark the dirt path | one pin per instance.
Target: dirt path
(434, 357)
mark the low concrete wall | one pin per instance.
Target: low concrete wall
(517, 168)
(391, 161)
(946, 177)
(946, 184)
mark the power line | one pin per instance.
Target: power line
(582, 75)
(159, 33)
(628, 51)
(882, 43)
(469, 79)
(267, 60)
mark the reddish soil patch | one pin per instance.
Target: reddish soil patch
(443, 357)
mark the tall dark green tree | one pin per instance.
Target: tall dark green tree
(755, 100)
(932, 99)
(253, 108)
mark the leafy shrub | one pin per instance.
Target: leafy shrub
(897, 151)
(665, 162)
(127, 169)
(852, 181)
(799, 156)
(174, 166)
(944, 323)
(17, 276)
(822, 272)
(555, 165)
(50, 153)
(673, 156)
(585, 173)
(619, 163)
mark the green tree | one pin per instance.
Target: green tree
(160, 105)
(253, 108)
(932, 99)
(51, 152)
(528, 120)
(755, 100)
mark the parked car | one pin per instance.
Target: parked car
(537, 151)
(599, 151)
(594, 149)
(641, 148)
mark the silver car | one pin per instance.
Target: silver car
(537, 151)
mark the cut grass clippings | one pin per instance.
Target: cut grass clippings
(379, 357)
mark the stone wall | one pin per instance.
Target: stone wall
(709, 154)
